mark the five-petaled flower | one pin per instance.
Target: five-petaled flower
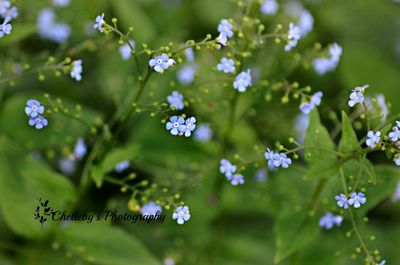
(373, 138)
(329, 220)
(39, 122)
(99, 22)
(5, 28)
(356, 199)
(176, 125)
(242, 81)
(161, 63)
(342, 201)
(357, 96)
(394, 135)
(33, 108)
(236, 179)
(77, 69)
(175, 100)
(181, 214)
(151, 209)
(227, 168)
(225, 31)
(226, 65)
(190, 126)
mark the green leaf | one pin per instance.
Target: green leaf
(368, 168)
(23, 180)
(319, 148)
(111, 160)
(348, 142)
(102, 244)
(294, 230)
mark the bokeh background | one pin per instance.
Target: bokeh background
(239, 227)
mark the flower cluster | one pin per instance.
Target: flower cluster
(328, 64)
(242, 81)
(181, 214)
(8, 13)
(225, 31)
(276, 160)
(307, 107)
(356, 200)
(49, 29)
(33, 109)
(229, 171)
(179, 126)
(357, 95)
(161, 63)
(329, 220)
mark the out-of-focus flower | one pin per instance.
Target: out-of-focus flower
(293, 37)
(175, 100)
(226, 65)
(328, 220)
(342, 201)
(99, 22)
(125, 50)
(80, 149)
(242, 81)
(269, 7)
(225, 31)
(121, 166)
(77, 70)
(227, 168)
(62, 3)
(186, 74)
(49, 29)
(151, 209)
(203, 133)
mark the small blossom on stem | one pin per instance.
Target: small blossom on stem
(181, 214)
(356, 199)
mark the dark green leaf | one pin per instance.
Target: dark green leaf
(349, 142)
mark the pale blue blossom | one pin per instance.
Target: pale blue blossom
(125, 50)
(396, 194)
(356, 199)
(328, 64)
(80, 149)
(151, 208)
(186, 74)
(62, 3)
(181, 214)
(77, 70)
(5, 28)
(10, 13)
(175, 100)
(269, 7)
(226, 65)
(4, 6)
(161, 63)
(33, 108)
(99, 22)
(394, 135)
(190, 126)
(261, 175)
(300, 127)
(329, 220)
(242, 81)
(49, 29)
(176, 125)
(225, 31)
(357, 96)
(397, 160)
(189, 54)
(67, 165)
(342, 201)
(307, 107)
(203, 133)
(373, 138)
(227, 168)
(121, 166)
(293, 37)
(236, 179)
(39, 122)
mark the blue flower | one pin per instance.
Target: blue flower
(175, 100)
(328, 220)
(189, 126)
(373, 138)
(281, 160)
(186, 74)
(5, 28)
(307, 107)
(397, 160)
(357, 96)
(324, 65)
(62, 3)
(226, 65)
(293, 37)
(80, 149)
(10, 13)
(270, 155)
(189, 54)
(383, 262)
(49, 29)
(236, 179)
(225, 31)
(176, 125)
(342, 201)
(121, 166)
(99, 22)
(67, 165)
(227, 168)
(161, 63)
(4, 6)
(356, 199)
(242, 81)
(306, 22)
(125, 50)
(181, 214)
(394, 135)
(151, 209)
(396, 194)
(33, 108)
(269, 7)
(261, 175)
(77, 69)
(39, 122)
(203, 133)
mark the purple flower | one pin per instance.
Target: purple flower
(261, 175)
(342, 201)
(121, 166)
(186, 74)
(328, 220)
(176, 125)
(203, 133)
(39, 122)
(236, 179)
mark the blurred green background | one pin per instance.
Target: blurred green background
(241, 228)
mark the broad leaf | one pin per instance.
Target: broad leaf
(348, 142)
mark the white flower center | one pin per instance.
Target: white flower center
(176, 124)
(159, 61)
(34, 107)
